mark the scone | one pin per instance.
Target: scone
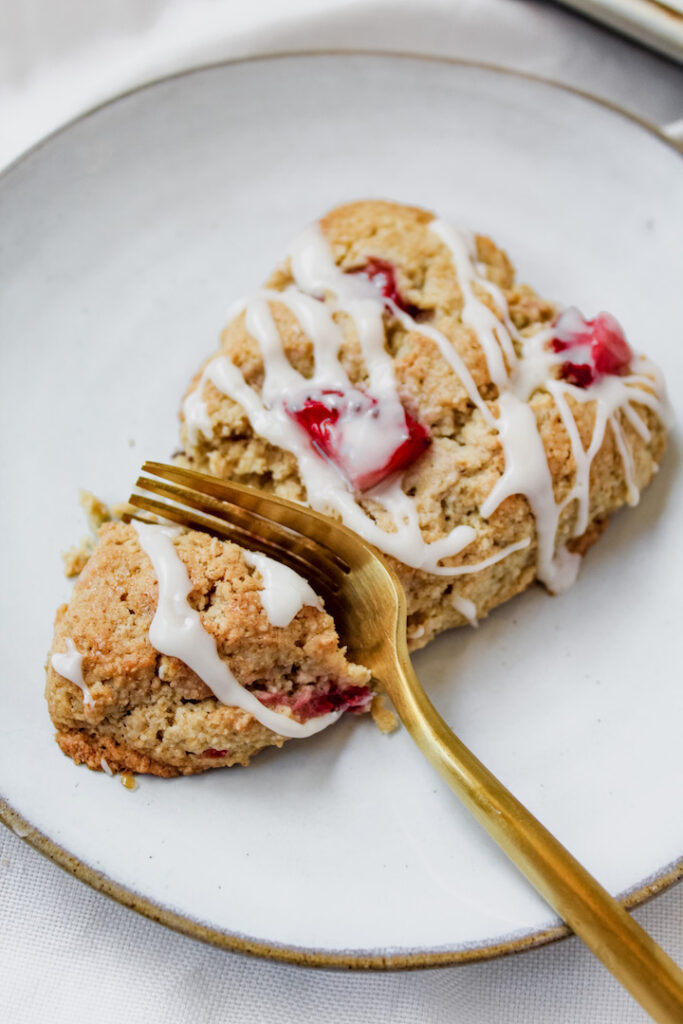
(180, 652)
(393, 374)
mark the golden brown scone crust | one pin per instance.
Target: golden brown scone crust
(455, 475)
(151, 713)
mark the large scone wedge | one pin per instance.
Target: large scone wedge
(122, 704)
(394, 374)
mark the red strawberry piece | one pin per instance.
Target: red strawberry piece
(314, 701)
(579, 374)
(405, 454)
(318, 416)
(383, 276)
(597, 346)
(609, 348)
(212, 752)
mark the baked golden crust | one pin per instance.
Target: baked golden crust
(92, 750)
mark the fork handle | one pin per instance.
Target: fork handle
(635, 960)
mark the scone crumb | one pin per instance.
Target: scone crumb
(76, 558)
(121, 509)
(383, 717)
(95, 510)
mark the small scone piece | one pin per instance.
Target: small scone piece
(120, 703)
(393, 373)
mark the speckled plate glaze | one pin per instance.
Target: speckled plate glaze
(123, 239)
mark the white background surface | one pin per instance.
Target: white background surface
(67, 952)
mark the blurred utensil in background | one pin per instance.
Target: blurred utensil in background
(654, 23)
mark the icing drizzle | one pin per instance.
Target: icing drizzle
(465, 607)
(284, 591)
(518, 366)
(70, 665)
(177, 631)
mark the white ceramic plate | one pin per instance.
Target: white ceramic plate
(124, 238)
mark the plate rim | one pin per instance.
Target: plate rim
(302, 956)
(233, 942)
(530, 76)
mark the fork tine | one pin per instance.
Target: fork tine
(252, 525)
(341, 545)
(183, 516)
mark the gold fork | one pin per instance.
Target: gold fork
(367, 602)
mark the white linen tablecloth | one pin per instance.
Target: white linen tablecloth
(69, 954)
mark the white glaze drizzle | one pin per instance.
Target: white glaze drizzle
(632, 491)
(327, 490)
(526, 472)
(177, 631)
(491, 332)
(466, 608)
(526, 468)
(70, 665)
(612, 395)
(284, 592)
